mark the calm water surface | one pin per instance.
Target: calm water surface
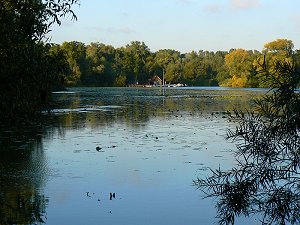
(119, 156)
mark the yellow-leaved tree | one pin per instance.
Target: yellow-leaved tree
(274, 52)
(239, 63)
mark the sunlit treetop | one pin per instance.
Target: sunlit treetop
(279, 46)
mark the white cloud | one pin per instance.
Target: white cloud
(184, 2)
(124, 14)
(213, 7)
(216, 7)
(126, 30)
(244, 4)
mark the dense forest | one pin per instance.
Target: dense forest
(97, 64)
(31, 67)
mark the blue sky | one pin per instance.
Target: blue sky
(183, 25)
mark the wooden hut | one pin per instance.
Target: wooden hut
(155, 81)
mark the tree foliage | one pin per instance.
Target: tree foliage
(27, 70)
(104, 65)
(279, 46)
(267, 176)
(278, 51)
(239, 63)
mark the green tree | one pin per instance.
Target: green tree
(62, 67)
(168, 62)
(193, 67)
(25, 62)
(139, 53)
(123, 65)
(173, 72)
(120, 81)
(152, 66)
(75, 53)
(100, 59)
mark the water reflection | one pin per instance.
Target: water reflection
(23, 171)
(98, 107)
(132, 146)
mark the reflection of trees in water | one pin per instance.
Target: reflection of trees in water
(23, 169)
(21, 205)
(22, 175)
(138, 105)
(266, 179)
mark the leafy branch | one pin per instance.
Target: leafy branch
(266, 179)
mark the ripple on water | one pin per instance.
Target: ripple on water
(160, 146)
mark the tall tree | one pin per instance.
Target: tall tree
(240, 64)
(222, 74)
(278, 51)
(63, 70)
(193, 67)
(282, 46)
(139, 53)
(123, 66)
(168, 61)
(100, 59)
(75, 53)
(25, 62)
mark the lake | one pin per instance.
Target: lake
(119, 156)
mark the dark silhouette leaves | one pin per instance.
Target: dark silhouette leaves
(266, 179)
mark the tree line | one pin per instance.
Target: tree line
(31, 67)
(97, 64)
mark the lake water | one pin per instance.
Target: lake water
(119, 156)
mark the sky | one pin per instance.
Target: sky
(183, 25)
